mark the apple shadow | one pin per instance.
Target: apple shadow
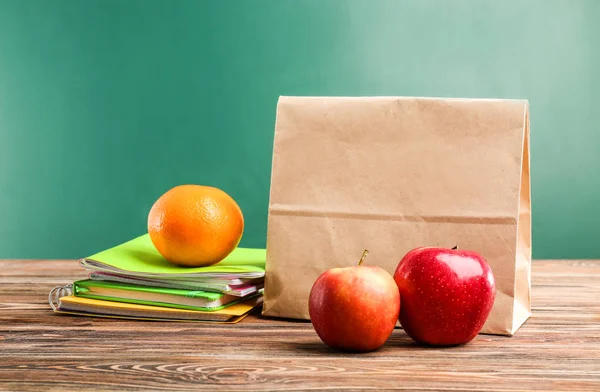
(398, 340)
(317, 347)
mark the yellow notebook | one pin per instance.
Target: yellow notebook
(99, 308)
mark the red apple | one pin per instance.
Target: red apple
(446, 294)
(354, 308)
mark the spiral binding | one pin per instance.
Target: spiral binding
(58, 292)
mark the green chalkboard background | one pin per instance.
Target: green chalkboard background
(104, 105)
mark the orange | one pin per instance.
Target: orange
(195, 225)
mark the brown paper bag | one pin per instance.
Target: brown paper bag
(389, 174)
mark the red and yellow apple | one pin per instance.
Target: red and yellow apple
(354, 308)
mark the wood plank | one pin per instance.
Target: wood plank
(557, 349)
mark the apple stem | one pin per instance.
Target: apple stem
(455, 247)
(362, 258)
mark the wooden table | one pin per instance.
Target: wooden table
(557, 349)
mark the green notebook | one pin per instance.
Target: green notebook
(156, 296)
(139, 257)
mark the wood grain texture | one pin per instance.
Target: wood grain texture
(557, 349)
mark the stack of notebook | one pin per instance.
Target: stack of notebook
(133, 280)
